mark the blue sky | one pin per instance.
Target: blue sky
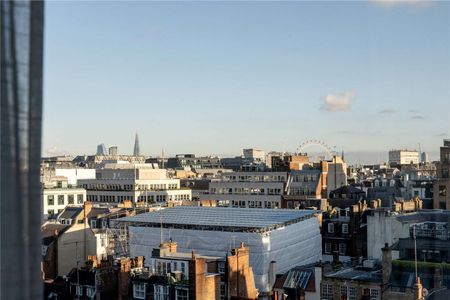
(216, 77)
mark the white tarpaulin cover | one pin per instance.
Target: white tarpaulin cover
(292, 245)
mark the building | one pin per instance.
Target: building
(112, 150)
(137, 149)
(301, 282)
(343, 231)
(387, 190)
(337, 174)
(286, 162)
(441, 188)
(247, 189)
(179, 275)
(101, 150)
(386, 226)
(253, 155)
(403, 157)
(233, 163)
(429, 233)
(424, 158)
(80, 232)
(191, 162)
(308, 183)
(57, 194)
(271, 235)
(422, 189)
(360, 282)
(136, 182)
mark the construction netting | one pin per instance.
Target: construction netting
(290, 246)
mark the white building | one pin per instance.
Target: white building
(136, 182)
(254, 155)
(74, 174)
(403, 157)
(54, 200)
(288, 237)
(247, 189)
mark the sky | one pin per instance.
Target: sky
(217, 77)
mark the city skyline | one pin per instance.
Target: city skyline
(213, 78)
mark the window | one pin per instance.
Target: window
(181, 294)
(327, 247)
(221, 267)
(348, 292)
(50, 200)
(50, 212)
(90, 292)
(79, 290)
(161, 292)
(342, 248)
(374, 294)
(327, 291)
(93, 223)
(331, 227)
(223, 291)
(70, 199)
(139, 290)
(442, 190)
(60, 199)
(344, 228)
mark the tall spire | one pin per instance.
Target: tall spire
(136, 151)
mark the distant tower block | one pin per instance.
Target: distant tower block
(112, 150)
(101, 149)
(137, 150)
(424, 157)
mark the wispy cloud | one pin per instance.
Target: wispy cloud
(417, 117)
(357, 132)
(413, 111)
(440, 134)
(387, 111)
(346, 132)
(394, 3)
(335, 102)
(54, 151)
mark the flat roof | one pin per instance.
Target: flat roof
(220, 218)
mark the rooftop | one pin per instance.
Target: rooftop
(220, 218)
(430, 215)
(358, 274)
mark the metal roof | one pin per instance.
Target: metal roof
(221, 218)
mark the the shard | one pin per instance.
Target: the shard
(136, 151)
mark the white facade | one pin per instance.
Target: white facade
(54, 200)
(247, 189)
(75, 244)
(383, 227)
(403, 157)
(135, 182)
(254, 155)
(73, 175)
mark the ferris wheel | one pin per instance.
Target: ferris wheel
(331, 151)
